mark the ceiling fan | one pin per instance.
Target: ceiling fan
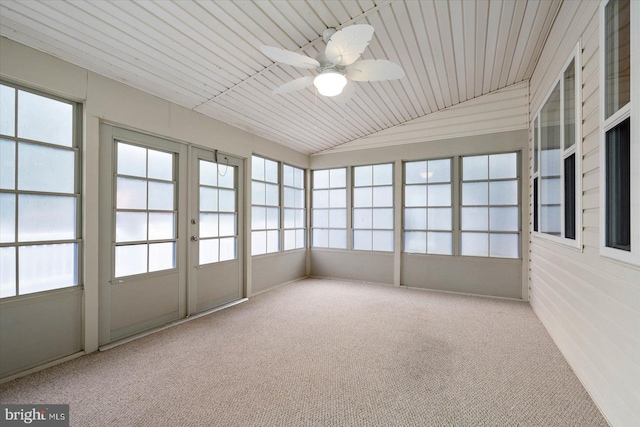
(338, 64)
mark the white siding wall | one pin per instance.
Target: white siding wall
(589, 304)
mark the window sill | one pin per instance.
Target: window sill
(564, 242)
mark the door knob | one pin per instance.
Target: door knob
(194, 238)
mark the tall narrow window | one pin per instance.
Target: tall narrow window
(145, 210)
(556, 148)
(428, 207)
(620, 145)
(373, 208)
(490, 212)
(294, 208)
(265, 209)
(330, 208)
(39, 193)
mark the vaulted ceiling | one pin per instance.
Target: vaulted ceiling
(204, 55)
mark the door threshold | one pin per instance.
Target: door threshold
(169, 325)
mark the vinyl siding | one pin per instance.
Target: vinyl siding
(589, 304)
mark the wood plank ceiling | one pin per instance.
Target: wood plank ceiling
(203, 55)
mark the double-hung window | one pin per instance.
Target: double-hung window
(373, 208)
(428, 207)
(556, 179)
(329, 208)
(490, 211)
(39, 193)
(620, 138)
(265, 206)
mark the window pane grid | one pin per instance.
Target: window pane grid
(329, 208)
(294, 224)
(218, 216)
(490, 206)
(372, 213)
(145, 210)
(265, 206)
(39, 193)
(428, 218)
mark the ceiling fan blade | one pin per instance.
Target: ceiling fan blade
(346, 45)
(296, 84)
(291, 58)
(370, 70)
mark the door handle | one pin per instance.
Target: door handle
(194, 238)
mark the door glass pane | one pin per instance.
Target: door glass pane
(208, 225)
(503, 193)
(162, 256)
(475, 244)
(45, 267)
(7, 272)
(416, 172)
(208, 251)
(415, 242)
(475, 168)
(47, 169)
(617, 66)
(208, 173)
(439, 243)
(44, 119)
(7, 218)
(131, 193)
(227, 200)
(227, 224)
(503, 166)
(504, 219)
(504, 245)
(208, 199)
(383, 241)
(131, 259)
(46, 218)
(161, 226)
(226, 176)
(160, 165)
(7, 110)
(160, 196)
(131, 226)
(132, 160)
(475, 193)
(7, 164)
(227, 248)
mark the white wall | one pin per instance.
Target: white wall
(108, 101)
(589, 304)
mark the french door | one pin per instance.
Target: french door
(169, 240)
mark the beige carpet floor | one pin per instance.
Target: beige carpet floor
(328, 353)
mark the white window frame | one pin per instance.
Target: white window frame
(632, 110)
(280, 210)
(284, 229)
(576, 149)
(347, 208)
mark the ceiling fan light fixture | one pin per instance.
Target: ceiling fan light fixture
(330, 83)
